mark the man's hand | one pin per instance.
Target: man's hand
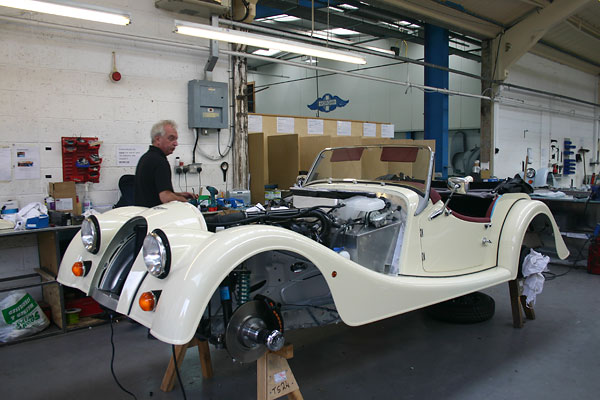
(187, 195)
(167, 196)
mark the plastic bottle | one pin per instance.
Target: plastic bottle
(87, 203)
(49, 202)
(342, 252)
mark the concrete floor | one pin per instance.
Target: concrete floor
(411, 356)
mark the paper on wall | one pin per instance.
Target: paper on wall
(387, 131)
(285, 125)
(344, 128)
(369, 129)
(315, 126)
(255, 123)
(128, 156)
(27, 162)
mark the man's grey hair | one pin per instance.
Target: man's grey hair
(158, 129)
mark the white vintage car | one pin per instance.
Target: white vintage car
(364, 237)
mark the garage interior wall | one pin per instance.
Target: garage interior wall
(56, 83)
(369, 100)
(527, 120)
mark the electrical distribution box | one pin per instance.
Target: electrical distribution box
(207, 104)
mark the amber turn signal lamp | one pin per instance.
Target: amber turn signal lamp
(78, 268)
(147, 301)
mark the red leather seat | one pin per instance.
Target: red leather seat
(435, 197)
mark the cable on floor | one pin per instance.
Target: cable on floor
(551, 275)
(112, 360)
(177, 372)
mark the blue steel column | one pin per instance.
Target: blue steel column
(436, 104)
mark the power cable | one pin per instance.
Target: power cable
(551, 275)
(112, 359)
(177, 372)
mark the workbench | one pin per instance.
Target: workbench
(572, 214)
(51, 243)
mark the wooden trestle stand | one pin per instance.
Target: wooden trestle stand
(207, 371)
(274, 377)
(518, 304)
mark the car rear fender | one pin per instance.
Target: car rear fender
(519, 218)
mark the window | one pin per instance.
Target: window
(250, 96)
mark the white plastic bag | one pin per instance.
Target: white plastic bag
(31, 210)
(21, 316)
(534, 264)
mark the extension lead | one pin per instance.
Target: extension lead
(112, 359)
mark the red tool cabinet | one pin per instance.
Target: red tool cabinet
(80, 159)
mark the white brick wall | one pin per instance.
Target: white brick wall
(56, 83)
(545, 118)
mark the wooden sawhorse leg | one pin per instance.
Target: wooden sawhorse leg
(274, 377)
(207, 372)
(517, 301)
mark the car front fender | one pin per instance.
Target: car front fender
(513, 232)
(110, 223)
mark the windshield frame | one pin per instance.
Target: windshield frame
(427, 184)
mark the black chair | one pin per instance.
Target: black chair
(127, 187)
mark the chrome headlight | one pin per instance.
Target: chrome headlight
(90, 234)
(157, 254)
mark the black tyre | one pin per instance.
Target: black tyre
(467, 309)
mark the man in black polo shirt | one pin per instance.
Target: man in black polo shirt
(153, 173)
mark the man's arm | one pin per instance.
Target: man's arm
(167, 196)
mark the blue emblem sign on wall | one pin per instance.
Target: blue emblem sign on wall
(327, 103)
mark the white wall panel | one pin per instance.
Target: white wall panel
(369, 100)
(545, 117)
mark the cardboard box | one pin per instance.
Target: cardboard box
(65, 197)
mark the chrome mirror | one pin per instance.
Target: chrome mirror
(300, 180)
(459, 185)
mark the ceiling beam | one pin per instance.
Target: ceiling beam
(521, 38)
(545, 50)
(438, 14)
(358, 24)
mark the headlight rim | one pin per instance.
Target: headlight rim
(161, 237)
(97, 239)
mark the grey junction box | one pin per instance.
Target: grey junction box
(207, 104)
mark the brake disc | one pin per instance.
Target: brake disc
(253, 329)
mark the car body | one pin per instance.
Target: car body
(364, 238)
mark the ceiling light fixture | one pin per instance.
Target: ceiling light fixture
(265, 42)
(72, 10)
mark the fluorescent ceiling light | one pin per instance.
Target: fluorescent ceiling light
(265, 42)
(278, 18)
(266, 53)
(347, 6)
(342, 31)
(335, 9)
(72, 10)
(284, 18)
(380, 50)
